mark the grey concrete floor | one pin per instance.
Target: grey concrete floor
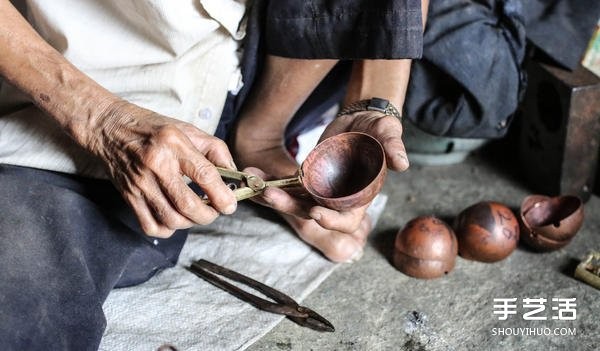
(375, 307)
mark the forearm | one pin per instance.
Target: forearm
(145, 154)
(387, 79)
(53, 84)
(284, 85)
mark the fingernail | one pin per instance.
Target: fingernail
(356, 256)
(230, 209)
(315, 215)
(233, 165)
(402, 159)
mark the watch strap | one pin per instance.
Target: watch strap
(373, 104)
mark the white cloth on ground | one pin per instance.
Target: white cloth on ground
(182, 310)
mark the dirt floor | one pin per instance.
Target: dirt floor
(375, 307)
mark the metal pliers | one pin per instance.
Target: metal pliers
(283, 304)
(255, 185)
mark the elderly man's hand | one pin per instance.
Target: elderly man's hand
(148, 154)
(386, 129)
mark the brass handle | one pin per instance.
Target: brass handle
(254, 185)
(285, 182)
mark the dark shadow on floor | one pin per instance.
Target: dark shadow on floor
(383, 242)
(568, 268)
(502, 155)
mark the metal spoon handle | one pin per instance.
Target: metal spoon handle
(284, 183)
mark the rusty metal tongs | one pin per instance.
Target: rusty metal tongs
(283, 304)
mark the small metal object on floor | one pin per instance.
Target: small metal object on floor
(283, 304)
(588, 270)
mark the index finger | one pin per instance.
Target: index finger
(205, 174)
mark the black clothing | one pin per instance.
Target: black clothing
(471, 78)
(319, 29)
(561, 28)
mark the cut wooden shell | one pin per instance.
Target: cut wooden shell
(425, 248)
(487, 231)
(549, 223)
(345, 171)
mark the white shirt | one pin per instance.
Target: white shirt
(175, 57)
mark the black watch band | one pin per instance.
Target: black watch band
(373, 104)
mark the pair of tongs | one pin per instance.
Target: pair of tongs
(283, 304)
(254, 185)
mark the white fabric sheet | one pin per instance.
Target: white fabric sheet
(182, 310)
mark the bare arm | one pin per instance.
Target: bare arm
(51, 82)
(145, 153)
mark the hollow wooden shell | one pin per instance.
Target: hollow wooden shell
(425, 248)
(345, 171)
(486, 232)
(549, 223)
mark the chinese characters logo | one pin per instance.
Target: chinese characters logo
(564, 309)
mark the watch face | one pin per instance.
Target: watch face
(378, 104)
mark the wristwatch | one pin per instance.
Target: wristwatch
(372, 104)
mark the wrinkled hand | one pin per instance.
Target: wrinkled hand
(148, 154)
(386, 129)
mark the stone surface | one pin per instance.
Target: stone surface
(375, 307)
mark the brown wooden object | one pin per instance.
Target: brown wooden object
(344, 171)
(425, 248)
(486, 232)
(550, 223)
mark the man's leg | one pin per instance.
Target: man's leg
(259, 141)
(279, 92)
(64, 247)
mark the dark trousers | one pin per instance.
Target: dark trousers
(66, 242)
